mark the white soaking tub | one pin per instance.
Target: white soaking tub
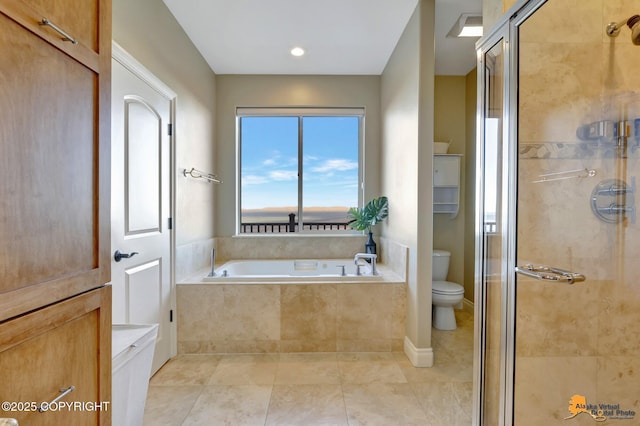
(305, 270)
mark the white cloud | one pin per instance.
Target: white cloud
(254, 180)
(337, 164)
(284, 174)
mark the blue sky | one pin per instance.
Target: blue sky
(270, 161)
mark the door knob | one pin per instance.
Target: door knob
(118, 255)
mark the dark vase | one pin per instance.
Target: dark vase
(370, 245)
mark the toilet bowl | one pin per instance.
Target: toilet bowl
(444, 294)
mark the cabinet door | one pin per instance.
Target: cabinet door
(446, 170)
(78, 18)
(54, 157)
(65, 344)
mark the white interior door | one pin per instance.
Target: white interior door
(140, 206)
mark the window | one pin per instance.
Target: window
(299, 169)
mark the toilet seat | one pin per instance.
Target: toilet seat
(446, 287)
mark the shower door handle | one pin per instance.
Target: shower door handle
(549, 273)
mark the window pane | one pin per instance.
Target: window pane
(330, 171)
(269, 173)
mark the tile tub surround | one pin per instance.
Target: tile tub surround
(263, 318)
(192, 257)
(271, 246)
(245, 247)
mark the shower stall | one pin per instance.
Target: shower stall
(557, 238)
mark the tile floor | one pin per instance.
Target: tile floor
(372, 388)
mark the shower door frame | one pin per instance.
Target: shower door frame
(505, 30)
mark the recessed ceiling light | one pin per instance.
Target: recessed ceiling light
(297, 51)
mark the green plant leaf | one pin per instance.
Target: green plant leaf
(359, 221)
(375, 211)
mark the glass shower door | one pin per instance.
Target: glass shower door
(491, 291)
(577, 296)
(558, 341)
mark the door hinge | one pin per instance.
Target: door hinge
(170, 223)
(170, 129)
(170, 315)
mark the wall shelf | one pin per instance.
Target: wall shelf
(446, 183)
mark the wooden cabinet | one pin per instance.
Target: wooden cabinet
(54, 151)
(63, 345)
(55, 310)
(446, 183)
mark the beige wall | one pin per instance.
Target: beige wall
(450, 125)
(281, 90)
(454, 121)
(493, 10)
(471, 100)
(406, 164)
(147, 30)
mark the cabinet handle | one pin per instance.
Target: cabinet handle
(63, 392)
(63, 33)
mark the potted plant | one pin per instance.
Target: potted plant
(366, 217)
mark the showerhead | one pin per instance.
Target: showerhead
(613, 28)
(634, 24)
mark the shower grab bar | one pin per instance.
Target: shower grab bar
(571, 174)
(197, 174)
(548, 273)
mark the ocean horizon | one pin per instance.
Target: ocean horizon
(311, 214)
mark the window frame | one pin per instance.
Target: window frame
(300, 113)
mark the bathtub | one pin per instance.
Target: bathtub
(306, 270)
(305, 305)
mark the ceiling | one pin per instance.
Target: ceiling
(340, 37)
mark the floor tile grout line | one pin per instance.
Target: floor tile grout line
(266, 414)
(273, 384)
(193, 404)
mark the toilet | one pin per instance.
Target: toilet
(444, 294)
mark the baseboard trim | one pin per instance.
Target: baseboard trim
(467, 305)
(419, 357)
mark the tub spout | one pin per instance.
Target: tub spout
(370, 256)
(213, 263)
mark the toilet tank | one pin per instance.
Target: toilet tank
(440, 267)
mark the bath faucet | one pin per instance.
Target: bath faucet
(370, 256)
(213, 263)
